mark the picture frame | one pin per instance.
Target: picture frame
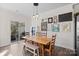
(55, 28)
(44, 26)
(55, 19)
(66, 27)
(50, 20)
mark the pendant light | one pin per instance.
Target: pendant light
(35, 11)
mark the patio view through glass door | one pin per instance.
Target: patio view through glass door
(17, 30)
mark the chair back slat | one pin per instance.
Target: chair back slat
(53, 40)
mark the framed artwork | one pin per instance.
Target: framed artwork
(66, 27)
(65, 17)
(55, 28)
(50, 20)
(55, 19)
(44, 26)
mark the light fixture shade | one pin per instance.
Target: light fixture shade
(35, 4)
(35, 12)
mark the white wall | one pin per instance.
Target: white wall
(6, 16)
(28, 24)
(64, 39)
(4, 29)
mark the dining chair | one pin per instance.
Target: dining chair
(53, 43)
(50, 47)
(43, 33)
(27, 33)
(38, 33)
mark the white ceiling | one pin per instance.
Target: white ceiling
(27, 8)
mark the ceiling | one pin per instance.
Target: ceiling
(27, 8)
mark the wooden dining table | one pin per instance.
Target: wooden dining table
(41, 40)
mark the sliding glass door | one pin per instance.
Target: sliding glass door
(17, 30)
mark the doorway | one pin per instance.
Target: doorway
(76, 14)
(17, 30)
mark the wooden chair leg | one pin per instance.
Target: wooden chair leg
(40, 50)
(53, 51)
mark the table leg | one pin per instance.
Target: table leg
(42, 50)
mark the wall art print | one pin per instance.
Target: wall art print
(44, 26)
(55, 28)
(50, 20)
(66, 27)
(55, 19)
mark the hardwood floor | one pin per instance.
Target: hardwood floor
(16, 49)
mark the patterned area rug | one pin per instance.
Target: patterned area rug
(16, 49)
(59, 51)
